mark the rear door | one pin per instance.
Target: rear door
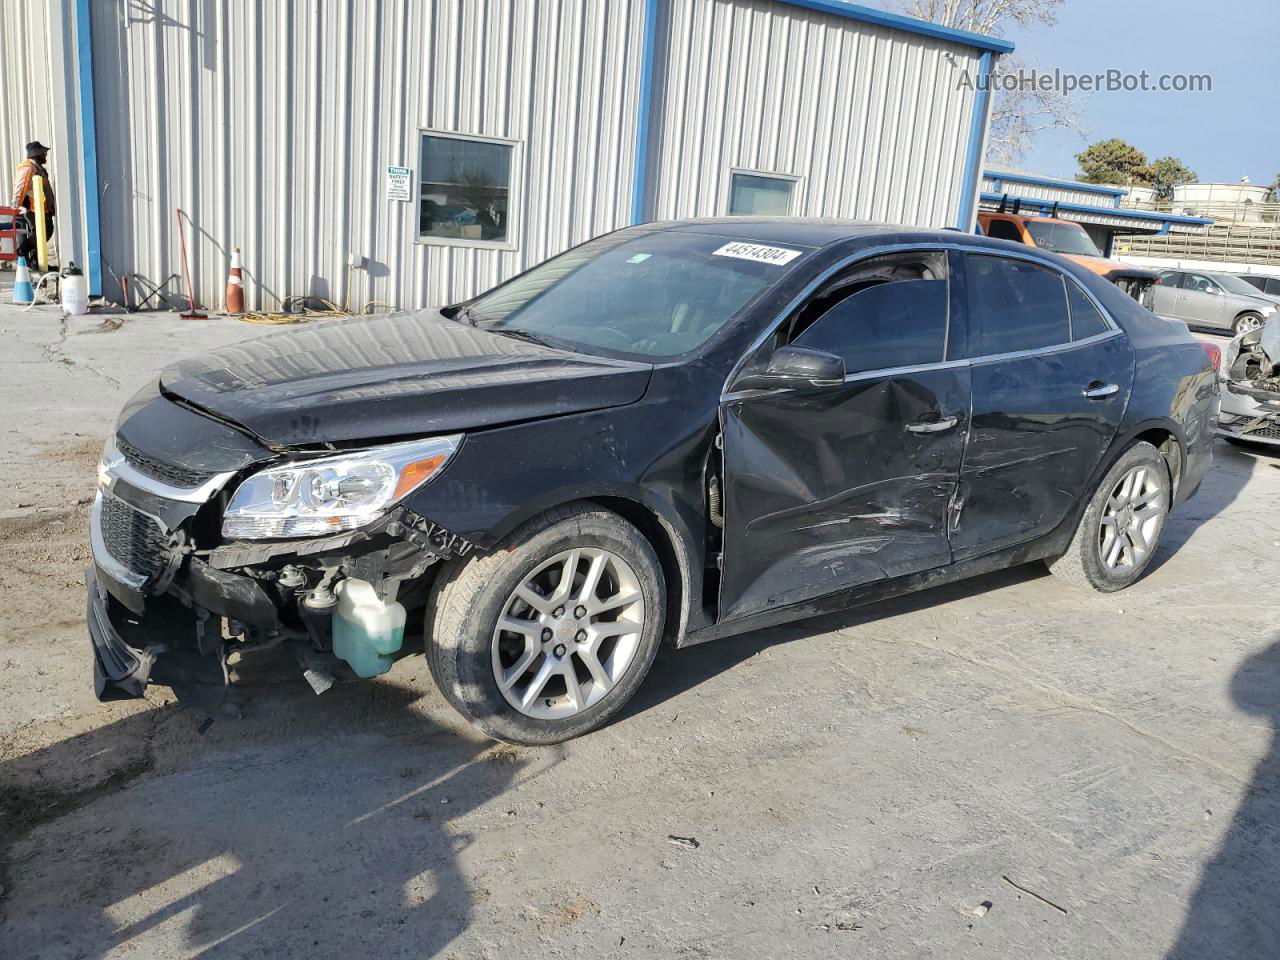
(1050, 377)
(832, 487)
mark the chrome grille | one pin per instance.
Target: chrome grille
(133, 539)
(157, 469)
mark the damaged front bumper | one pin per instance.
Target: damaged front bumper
(1253, 426)
(165, 608)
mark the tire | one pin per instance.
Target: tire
(468, 651)
(1246, 321)
(1087, 560)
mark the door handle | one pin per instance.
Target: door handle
(1100, 391)
(932, 426)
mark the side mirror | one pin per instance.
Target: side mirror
(791, 367)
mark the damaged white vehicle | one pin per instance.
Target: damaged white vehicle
(1250, 373)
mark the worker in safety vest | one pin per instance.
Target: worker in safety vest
(23, 196)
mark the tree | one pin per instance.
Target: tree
(1165, 174)
(1112, 161)
(1018, 114)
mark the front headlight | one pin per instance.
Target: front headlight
(333, 494)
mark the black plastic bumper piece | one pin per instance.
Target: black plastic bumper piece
(120, 672)
(163, 648)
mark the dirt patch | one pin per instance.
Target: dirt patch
(109, 325)
(78, 449)
(566, 914)
(42, 579)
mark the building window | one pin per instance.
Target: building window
(465, 190)
(760, 194)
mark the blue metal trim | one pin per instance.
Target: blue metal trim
(969, 183)
(644, 105)
(1170, 218)
(894, 21)
(89, 150)
(1054, 182)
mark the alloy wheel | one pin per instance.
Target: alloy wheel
(1248, 324)
(568, 633)
(1131, 519)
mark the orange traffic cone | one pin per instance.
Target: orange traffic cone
(235, 285)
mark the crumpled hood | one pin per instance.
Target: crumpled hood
(405, 374)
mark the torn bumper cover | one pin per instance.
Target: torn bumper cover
(130, 652)
(159, 612)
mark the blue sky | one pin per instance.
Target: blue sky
(1223, 135)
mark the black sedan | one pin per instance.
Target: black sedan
(677, 431)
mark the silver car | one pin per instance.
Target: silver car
(1219, 300)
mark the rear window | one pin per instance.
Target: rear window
(1086, 321)
(1016, 305)
(1003, 230)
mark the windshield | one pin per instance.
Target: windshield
(660, 294)
(1235, 285)
(1063, 238)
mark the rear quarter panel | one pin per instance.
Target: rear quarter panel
(1175, 387)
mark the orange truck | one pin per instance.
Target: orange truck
(1071, 241)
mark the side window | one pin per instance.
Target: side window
(1086, 321)
(1016, 305)
(888, 312)
(1171, 278)
(1196, 281)
(1004, 230)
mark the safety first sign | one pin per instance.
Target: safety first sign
(399, 183)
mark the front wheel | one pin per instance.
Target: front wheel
(546, 637)
(1245, 323)
(1118, 533)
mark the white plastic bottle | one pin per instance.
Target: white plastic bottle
(366, 630)
(75, 294)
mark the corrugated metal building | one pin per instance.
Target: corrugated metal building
(445, 145)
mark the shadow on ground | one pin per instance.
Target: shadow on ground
(1235, 911)
(324, 831)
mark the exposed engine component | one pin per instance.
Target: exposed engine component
(1249, 362)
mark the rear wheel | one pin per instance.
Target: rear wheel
(1120, 529)
(1246, 322)
(547, 636)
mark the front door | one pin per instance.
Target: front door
(1165, 294)
(1050, 380)
(830, 487)
(1200, 301)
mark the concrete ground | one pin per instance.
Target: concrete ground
(1100, 772)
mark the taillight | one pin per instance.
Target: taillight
(1214, 352)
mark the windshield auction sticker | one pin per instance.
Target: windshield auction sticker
(757, 252)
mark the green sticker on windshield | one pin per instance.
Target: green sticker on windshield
(639, 258)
